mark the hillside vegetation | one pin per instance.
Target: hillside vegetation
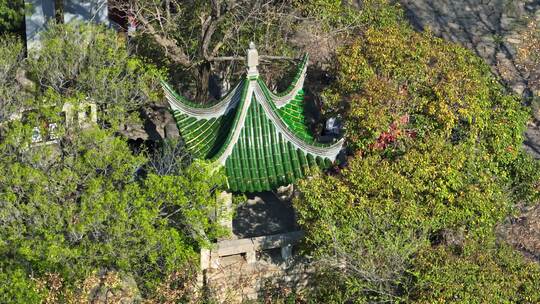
(434, 163)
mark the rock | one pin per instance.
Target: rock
(507, 22)
(171, 130)
(449, 237)
(476, 26)
(111, 287)
(21, 78)
(285, 193)
(514, 40)
(523, 232)
(157, 124)
(519, 88)
(454, 26)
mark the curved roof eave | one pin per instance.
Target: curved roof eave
(282, 99)
(218, 109)
(329, 151)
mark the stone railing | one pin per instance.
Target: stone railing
(249, 247)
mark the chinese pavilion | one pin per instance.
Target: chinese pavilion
(260, 137)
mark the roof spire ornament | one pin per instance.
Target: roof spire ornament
(252, 60)
(260, 137)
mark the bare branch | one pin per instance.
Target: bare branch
(261, 57)
(175, 52)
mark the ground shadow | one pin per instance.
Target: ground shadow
(263, 214)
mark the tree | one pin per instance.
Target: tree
(11, 57)
(11, 15)
(199, 35)
(481, 273)
(195, 34)
(89, 204)
(88, 210)
(374, 218)
(90, 62)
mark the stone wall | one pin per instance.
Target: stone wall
(237, 281)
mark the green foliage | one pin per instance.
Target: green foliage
(88, 204)
(390, 93)
(11, 15)
(437, 163)
(432, 82)
(16, 286)
(90, 211)
(92, 62)
(191, 197)
(380, 211)
(11, 55)
(332, 13)
(480, 274)
(433, 186)
(338, 14)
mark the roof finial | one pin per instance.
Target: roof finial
(252, 60)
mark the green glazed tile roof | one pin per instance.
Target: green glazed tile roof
(260, 137)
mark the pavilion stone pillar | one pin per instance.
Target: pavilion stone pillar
(286, 252)
(36, 18)
(251, 257)
(86, 10)
(225, 199)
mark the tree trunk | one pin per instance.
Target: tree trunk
(202, 82)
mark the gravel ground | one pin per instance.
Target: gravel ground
(532, 139)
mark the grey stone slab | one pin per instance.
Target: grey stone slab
(40, 12)
(86, 10)
(230, 247)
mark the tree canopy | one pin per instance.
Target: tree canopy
(89, 204)
(205, 38)
(11, 16)
(436, 164)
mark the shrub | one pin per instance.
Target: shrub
(88, 204)
(436, 162)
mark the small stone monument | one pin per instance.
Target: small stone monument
(85, 114)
